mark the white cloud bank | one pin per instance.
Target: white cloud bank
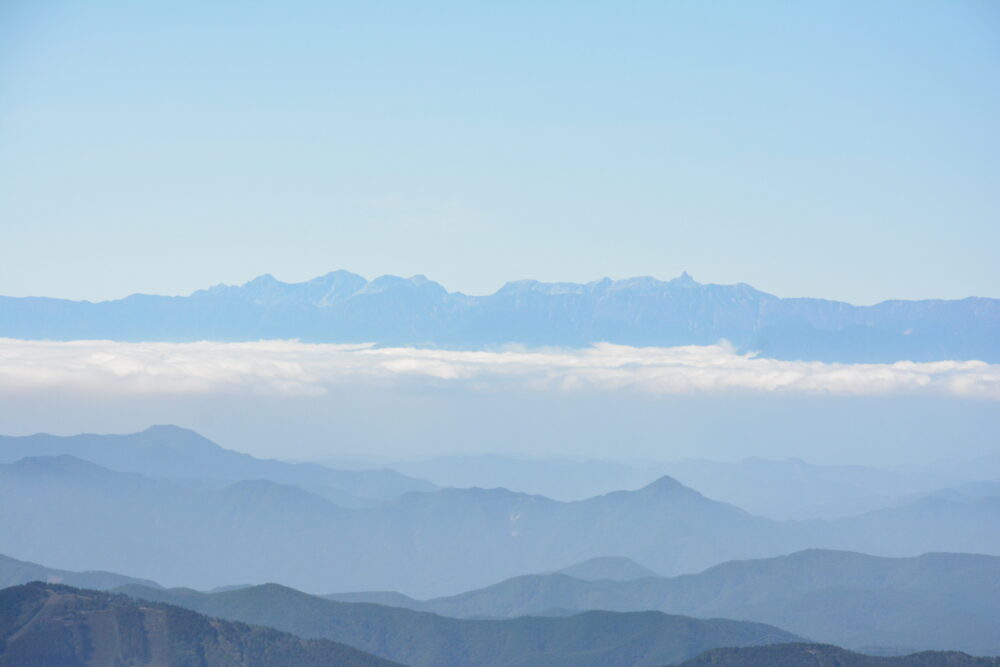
(292, 368)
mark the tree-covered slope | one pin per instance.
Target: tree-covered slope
(822, 655)
(598, 639)
(48, 625)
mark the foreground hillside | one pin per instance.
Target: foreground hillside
(931, 602)
(591, 639)
(46, 624)
(820, 655)
(344, 307)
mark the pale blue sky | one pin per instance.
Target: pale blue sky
(839, 149)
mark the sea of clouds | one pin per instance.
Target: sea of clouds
(291, 368)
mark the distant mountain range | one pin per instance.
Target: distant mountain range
(249, 528)
(933, 601)
(344, 307)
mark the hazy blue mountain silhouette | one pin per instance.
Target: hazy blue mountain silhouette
(15, 572)
(171, 451)
(934, 601)
(46, 624)
(84, 516)
(795, 489)
(614, 568)
(76, 515)
(420, 639)
(559, 479)
(426, 543)
(778, 489)
(344, 307)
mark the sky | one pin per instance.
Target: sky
(845, 150)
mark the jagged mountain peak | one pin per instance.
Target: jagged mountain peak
(418, 283)
(685, 279)
(612, 568)
(606, 286)
(263, 279)
(335, 276)
(175, 438)
(666, 484)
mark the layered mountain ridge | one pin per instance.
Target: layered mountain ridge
(593, 638)
(932, 601)
(173, 507)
